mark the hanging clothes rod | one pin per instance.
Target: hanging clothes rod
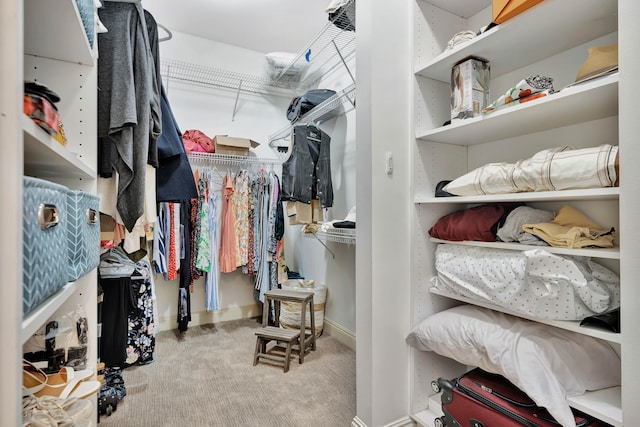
(211, 159)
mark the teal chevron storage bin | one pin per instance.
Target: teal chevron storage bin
(83, 233)
(44, 235)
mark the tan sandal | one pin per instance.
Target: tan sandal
(33, 378)
(69, 383)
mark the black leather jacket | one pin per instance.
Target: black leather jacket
(306, 174)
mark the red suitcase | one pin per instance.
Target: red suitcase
(481, 399)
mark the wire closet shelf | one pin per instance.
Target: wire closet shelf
(173, 70)
(212, 159)
(329, 49)
(339, 235)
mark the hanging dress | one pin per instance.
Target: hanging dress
(212, 277)
(241, 207)
(227, 237)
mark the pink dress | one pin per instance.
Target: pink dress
(228, 227)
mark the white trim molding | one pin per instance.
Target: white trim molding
(207, 317)
(403, 422)
(341, 334)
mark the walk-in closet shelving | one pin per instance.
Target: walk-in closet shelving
(34, 320)
(552, 36)
(58, 38)
(587, 101)
(43, 41)
(45, 156)
(340, 103)
(331, 48)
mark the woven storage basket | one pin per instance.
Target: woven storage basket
(290, 311)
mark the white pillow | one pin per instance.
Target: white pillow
(276, 62)
(547, 363)
(559, 168)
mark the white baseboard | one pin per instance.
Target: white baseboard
(403, 422)
(339, 333)
(357, 422)
(208, 317)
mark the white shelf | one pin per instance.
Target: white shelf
(46, 157)
(605, 404)
(577, 104)
(554, 33)
(609, 253)
(424, 418)
(465, 8)
(573, 326)
(600, 194)
(65, 38)
(34, 320)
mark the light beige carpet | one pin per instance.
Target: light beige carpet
(206, 377)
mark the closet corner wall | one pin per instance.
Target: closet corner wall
(43, 41)
(383, 121)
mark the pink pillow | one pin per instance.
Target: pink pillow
(478, 223)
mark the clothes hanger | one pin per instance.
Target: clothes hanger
(169, 35)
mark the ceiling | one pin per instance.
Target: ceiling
(260, 25)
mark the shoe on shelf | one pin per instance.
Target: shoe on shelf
(54, 411)
(69, 383)
(33, 378)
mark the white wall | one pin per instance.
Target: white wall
(383, 287)
(211, 111)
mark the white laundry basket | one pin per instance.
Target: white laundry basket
(290, 311)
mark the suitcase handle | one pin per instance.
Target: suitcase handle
(92, 216)
(48, 216)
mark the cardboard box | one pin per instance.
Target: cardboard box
(504, 10)
(231, 145)
(469, 88)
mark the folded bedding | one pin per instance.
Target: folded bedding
(534, 283)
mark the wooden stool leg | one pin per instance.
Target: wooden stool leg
(313, 325)
(287, 356)
(303, 317)
(265, 312)
(255, 355)
(276, 310)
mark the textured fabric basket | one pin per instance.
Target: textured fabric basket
(85, 7)
(83, 233)
(44, 230)
(290, 311)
